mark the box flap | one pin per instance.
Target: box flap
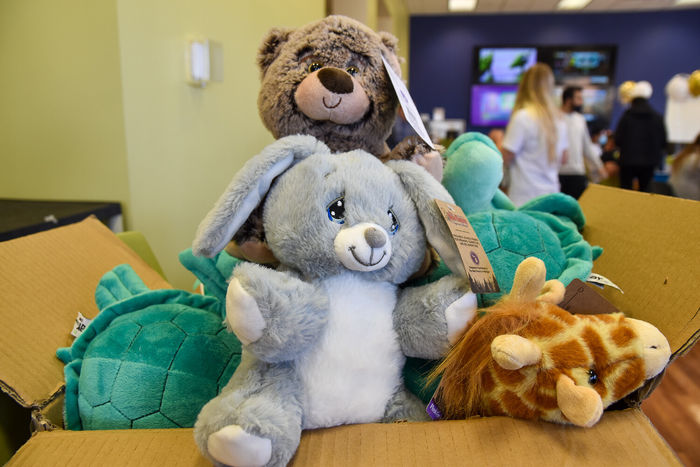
(651, 251)
(39, 272)
(624, 437)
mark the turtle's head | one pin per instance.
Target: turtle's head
(473, 171)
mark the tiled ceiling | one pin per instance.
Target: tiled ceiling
(425, 7)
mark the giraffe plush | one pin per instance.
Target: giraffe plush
(528, 358)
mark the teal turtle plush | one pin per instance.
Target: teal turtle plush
(149, 359)
(547, 227)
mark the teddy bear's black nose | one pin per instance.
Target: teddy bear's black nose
(374, 237)
(335, 80)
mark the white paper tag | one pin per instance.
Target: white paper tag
(81, 323)
(601, 281)
(407, 104)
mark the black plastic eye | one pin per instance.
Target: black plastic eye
(592, 377)
(314, 66)
(336, 210)
(394, 222)
(352, 70)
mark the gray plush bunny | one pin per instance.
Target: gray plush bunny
(326, 334)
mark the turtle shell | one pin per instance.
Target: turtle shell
(149, 361)
(508, 237)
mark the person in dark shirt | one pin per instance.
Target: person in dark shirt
(641, 137)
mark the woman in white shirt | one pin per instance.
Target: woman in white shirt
(535, 141)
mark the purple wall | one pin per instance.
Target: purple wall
(652, 46)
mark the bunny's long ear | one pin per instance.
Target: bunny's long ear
(247, 190)
(423, 189)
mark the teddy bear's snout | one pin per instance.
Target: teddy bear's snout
(332, 94)
(363, 247)
(335, 80)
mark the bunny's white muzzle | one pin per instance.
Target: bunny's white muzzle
(363, 247)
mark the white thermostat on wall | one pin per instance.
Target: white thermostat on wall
(197, 62)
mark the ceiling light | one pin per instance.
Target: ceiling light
(461, 5)
(572, 4)
(687, 2)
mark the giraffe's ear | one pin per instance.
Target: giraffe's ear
(513, 352)
(581, 405)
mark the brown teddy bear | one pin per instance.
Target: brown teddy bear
(327, 79)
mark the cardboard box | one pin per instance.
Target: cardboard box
(650, 252)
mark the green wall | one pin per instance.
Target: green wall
(94, 106)
(61, 115)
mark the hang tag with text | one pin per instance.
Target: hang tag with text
(581, 299)
(407, 104)
(474, 259)
(81, 323)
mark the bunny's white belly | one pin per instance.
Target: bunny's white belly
(355, 368)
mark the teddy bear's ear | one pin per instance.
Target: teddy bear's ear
(271, 45)
(390, 41)
(423, 190)
(248, 189)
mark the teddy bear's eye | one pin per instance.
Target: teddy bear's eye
(394, 222)
(336, 210)
(314, 66)
(352, 70)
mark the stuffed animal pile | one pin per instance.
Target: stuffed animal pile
(528, 358)
(327, 79)
(326, 334)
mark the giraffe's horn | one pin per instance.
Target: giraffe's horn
(529, 280)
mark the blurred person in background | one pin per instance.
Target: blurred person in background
(604, 144)
(641, 137)
(535, 141)
(582, 151)
(685, 171)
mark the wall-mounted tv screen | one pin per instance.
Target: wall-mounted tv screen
(503, 65)
(491, 105)
(581, 65)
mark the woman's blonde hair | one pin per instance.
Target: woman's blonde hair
(536, 93)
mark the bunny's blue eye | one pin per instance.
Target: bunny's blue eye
(394, 222)
(336, 210)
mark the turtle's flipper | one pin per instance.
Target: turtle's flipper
(558, 204)
(212, 272)
(118, 284)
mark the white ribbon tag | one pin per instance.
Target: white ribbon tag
(407, 104)
(602, 281)
(81, 323)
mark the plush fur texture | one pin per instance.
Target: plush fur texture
(530, 359)
(327, 79)
(291, 88)
(336, 333)
(359, 311)
(149, 359)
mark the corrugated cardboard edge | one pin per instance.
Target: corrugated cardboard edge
(40, 246)
(50, 416)
(651, 252)
(620, 439)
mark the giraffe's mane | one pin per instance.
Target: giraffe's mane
(460, 390)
